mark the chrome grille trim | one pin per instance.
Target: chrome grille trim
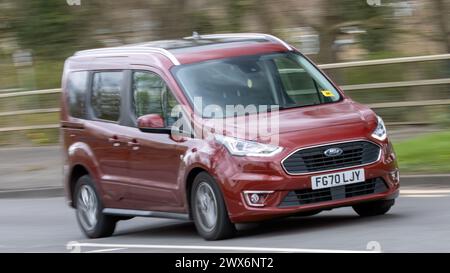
(335, 169)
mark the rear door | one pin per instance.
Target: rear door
(104, 133)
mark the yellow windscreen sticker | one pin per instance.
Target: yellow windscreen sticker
(327, 93)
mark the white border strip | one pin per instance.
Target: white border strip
(77, 246)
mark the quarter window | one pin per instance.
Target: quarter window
(76, 93)
(106, 89)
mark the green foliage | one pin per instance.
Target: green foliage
(376, 37)
(236, 10)
(51, 28)
(29, 120)
(425, 154)
(357, 10)
(441, 116)
(31, 137)
(202, 22)
(374, 20)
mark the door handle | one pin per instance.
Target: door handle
(115, 141)
(134, 144)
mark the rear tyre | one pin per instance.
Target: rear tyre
(89, 209)
(373, 208)
(208, 209)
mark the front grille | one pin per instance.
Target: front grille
(313, 159)
(309, 196)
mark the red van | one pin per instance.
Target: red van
(143, 135)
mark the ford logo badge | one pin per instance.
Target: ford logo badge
(333, 152)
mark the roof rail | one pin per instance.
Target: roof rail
(139, 49)
(243, 35)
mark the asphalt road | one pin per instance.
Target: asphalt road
(419, 222)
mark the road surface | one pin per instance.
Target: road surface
(419, 222)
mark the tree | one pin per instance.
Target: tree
(442, 11)
(330, 16)
(50, 28)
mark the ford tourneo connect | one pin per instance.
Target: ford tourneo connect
(218, 129)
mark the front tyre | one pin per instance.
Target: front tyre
(89, 208)
(208, 209)
(374, 208)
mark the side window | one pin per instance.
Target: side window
(151, 95)
(106, 88)
(76, 93)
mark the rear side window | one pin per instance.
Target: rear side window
(105, 100)
(76, 95)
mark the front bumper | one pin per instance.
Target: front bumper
(252, 214)
(282, 184)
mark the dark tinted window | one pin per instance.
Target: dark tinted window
(106, 88)
(76, 93)
(152, 96)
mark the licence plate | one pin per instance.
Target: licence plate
(337, 179)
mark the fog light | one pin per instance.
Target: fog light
(256, 198)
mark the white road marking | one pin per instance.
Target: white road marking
(424, 195)
(221, 248)
(105, 250)
(31, 190)
(424, 191)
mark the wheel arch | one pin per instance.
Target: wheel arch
(77, 171)
(188, 187)
(81, 161)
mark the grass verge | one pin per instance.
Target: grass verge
(425, 154)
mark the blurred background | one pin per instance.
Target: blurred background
(411, 94)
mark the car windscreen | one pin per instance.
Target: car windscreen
(280, 80)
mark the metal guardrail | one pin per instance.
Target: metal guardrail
(367, 86)
(29, 93)
(27, 112)
(353, 87)
(409, 103)
(383, 85)
(380, 105)
(439, 57)
(10, 90)
(31, 127)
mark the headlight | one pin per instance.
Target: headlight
(380, 132)
(241, 147)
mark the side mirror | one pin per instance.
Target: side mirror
(152, 123)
